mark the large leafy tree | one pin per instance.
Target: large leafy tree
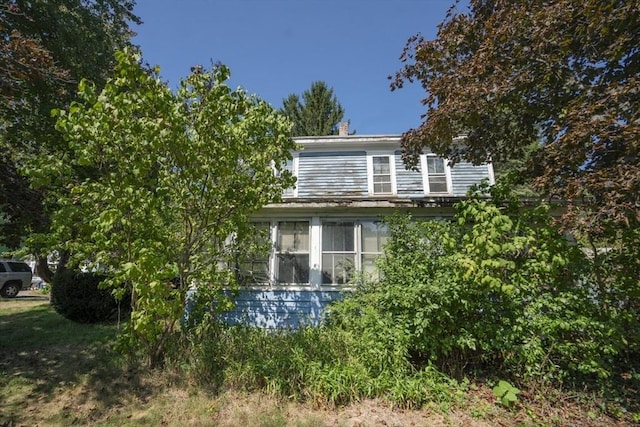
(46, 47)
(564, 73)
(318, 113)
(171, 178)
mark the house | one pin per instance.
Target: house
(328, 227)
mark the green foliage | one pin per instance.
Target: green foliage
(167, 178)
(498, 288)
(506, 393)
(47, 48)
(317, 114)
(557, 77)
(80, 297)
(317, 364)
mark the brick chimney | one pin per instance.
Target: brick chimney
(343, 129)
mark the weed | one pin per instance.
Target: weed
(506, 393)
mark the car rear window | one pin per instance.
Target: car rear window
(2, 269)
(19, 266)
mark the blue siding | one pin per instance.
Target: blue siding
(279, 308)
(409, 183)
(332, 174)
(464, 175)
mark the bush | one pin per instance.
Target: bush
(78, 297)
(498, 290)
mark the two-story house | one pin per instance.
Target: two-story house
(328, 227)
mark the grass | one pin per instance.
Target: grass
(54, 372)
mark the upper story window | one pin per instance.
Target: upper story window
(436, 174)
(381, 171)
(291, 165)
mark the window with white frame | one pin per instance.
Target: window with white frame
(436, 180)
(280, 252)
(291, 166)
(373, 237)
(253, 268)
(338, 252)
(292, 252)
(381, 170)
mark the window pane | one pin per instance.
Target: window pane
(293, 252)
(337, 268)
(381, 165)
(254, 267)
(381, 174)
(254, 271)
(374, 236)
(293, 268)
(384, 187)
(293, 236)
(438, 184)
(19, 267)
(369, 264)
(435, 165)
(289, 166)
(337, 237)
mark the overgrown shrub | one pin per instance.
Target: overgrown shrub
(79, 297)
(500, 289)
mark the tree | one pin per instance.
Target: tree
(317, 114)
(46, 48)
(565, 73)
(172, 178)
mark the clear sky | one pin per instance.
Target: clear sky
(278, 47)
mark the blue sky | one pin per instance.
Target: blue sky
(278, 47)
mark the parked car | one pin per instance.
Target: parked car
(14, 277)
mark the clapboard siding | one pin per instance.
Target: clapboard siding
(334, 168)
(464, 175)
(409, 183)
(336, 174)
(279, 308)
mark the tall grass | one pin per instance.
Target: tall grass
(317, 364)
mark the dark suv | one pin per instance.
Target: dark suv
(14, 277)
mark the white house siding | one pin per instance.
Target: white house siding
(332, 174)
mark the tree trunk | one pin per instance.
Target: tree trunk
(42, 268)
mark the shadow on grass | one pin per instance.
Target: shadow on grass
(46, 358)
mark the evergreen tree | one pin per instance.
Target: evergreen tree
(317, 113)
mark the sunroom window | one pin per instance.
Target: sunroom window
(293, 252)
(254, 268)
(373, 237)
(338, 252)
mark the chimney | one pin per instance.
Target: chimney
(343, 129)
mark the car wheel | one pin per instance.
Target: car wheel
(10, 290)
